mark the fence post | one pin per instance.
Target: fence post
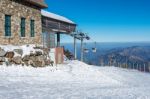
(144, 68)
(82, 49)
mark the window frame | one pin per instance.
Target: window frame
(32, 28)
(23, 27)
(8, 32)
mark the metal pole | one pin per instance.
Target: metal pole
(82, 49)
(144, 68)
(75, 48)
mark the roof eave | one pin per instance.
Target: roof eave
(60, 20)
(41, 5)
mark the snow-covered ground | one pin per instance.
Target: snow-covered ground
(73, 80)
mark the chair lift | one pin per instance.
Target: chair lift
(94, 49)
(85, 49)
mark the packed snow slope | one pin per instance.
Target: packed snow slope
(73, 80)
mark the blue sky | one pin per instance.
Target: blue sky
(107, 20)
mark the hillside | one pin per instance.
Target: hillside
(73, 80)
(131, 57)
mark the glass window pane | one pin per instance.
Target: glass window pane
(7, 25)
(32, 28)
(22, 27)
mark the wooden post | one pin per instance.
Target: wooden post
(126, 63)
(58, 39)
(140, 67)
(133, 65)
(137, 66)
(144, 68)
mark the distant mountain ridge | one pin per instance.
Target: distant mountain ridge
(118, 54)
(129, 56)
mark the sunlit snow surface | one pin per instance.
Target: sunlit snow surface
(73, 80)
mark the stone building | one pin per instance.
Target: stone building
(24, 22)
(20, 21)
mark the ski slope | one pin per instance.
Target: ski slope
(73, 80)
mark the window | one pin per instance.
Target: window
(7, 25)
(32, 28)
(48, 39)
(22, 27)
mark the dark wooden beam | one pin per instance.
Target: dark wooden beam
(58, 39)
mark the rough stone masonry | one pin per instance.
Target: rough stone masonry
(20, 9)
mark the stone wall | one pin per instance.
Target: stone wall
(33, 56)
(18, 9)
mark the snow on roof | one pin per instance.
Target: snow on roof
(56, 17)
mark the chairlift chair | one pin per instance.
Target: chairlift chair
(94, 49)
(86, 50)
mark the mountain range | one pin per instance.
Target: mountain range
(130, 57)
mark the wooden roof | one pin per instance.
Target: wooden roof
(39, 3)
(56, 17)
(56, 23)
(49, 24)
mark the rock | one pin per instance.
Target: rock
(17, 60)
(30, 62)
(18, 51)
(32, 58)
(2, 59)
(38, 53)
(37, 58)
(1, 49)
(52, 63)
(26, 63)
(38, 63)
(26, 58)
(46, 51)
(9, 54)
(2, 53)
(1, 63)
(8, 63)
(32, 54)
(27, 45)
(38, 47)
(23, 64)
(49, 62)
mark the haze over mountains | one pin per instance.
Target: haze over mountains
(129, 55)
